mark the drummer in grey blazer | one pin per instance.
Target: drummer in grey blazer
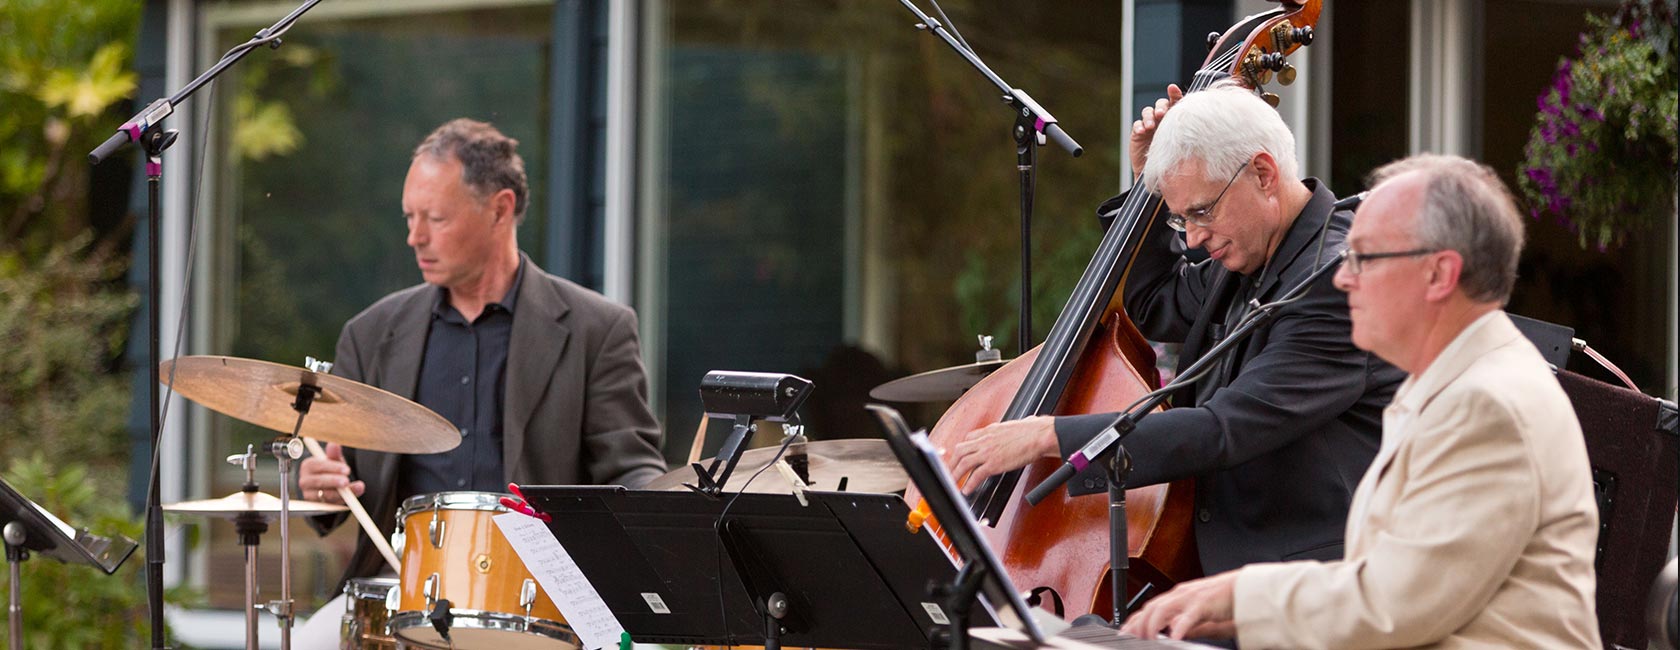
(542, 377)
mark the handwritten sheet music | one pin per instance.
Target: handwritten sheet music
(558, 575)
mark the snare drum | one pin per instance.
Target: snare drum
(368, 605)
(451, 550)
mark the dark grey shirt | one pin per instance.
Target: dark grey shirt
(463, 377)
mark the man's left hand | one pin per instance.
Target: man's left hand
(1002, 447)
(1199, 609)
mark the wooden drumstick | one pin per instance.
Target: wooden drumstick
(699, 441)
(362, 517)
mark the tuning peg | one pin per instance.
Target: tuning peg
(1273, 61)
(1212, 40)
(1302, 35)
(1286, 76)
(1271, 98)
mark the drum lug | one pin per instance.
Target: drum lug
(393, 602)
(527, 597)
(430, 590)
(435, 530)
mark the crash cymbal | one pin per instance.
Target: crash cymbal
(867, 466)
(240, 503)
(347, 412)
(942, 385)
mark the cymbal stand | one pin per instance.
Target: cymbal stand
(250, 526)
(16, 535)
(286, 449)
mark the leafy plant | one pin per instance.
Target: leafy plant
(64, 72)
(63, 325)
(1602, 154)
(77, 607)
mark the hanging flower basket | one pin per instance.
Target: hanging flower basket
(1601, 158)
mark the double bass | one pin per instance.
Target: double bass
(1094, 360)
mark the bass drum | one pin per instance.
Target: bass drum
(452, 551)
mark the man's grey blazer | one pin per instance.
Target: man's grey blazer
(575, 409)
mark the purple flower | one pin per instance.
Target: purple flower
(1633, 29)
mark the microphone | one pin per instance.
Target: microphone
(1349, 202)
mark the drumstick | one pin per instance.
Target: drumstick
(699, 441)
(361, 513)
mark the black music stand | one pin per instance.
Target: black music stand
(982, 571)
(29, 527)
(842, 572)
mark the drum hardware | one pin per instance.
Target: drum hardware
(430, 590)
(442, 618)
(369, 604)
(527, 597)
(943, 384)
(283, 398)
(250, 510)
(434, 530)
(467, 589)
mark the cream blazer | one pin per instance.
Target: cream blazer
(1475, 526)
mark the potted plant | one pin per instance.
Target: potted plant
(1601, 157)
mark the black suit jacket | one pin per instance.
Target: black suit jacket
(575, 410)
(1280, 446)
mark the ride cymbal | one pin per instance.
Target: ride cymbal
(347, 412)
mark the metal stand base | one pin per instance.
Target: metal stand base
(15, 555)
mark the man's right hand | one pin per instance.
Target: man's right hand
(1143, 130)
(319, 477)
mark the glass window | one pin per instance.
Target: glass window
(312, 145)
(1369, 50)
(833, 193)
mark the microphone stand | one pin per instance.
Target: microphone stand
(1032, 124)
(1105, 446)
(145, 129)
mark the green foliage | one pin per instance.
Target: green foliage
(64, 71)
(63, 327)
(266, 128)
(76, 607)
(1602, 154)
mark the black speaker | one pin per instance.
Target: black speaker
(1631, 443)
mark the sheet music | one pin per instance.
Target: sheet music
(558, 575)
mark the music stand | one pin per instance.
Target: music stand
(983, 570)
(29, 527)
(843, 572)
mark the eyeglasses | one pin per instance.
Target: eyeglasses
(1356, 261)
(1203, 217)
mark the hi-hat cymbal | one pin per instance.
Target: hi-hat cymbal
(942, 385)
(240, 503)
(867, 466)
(347, 412)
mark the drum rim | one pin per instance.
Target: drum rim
(454, 500)
(382, 584)
(477, 619)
